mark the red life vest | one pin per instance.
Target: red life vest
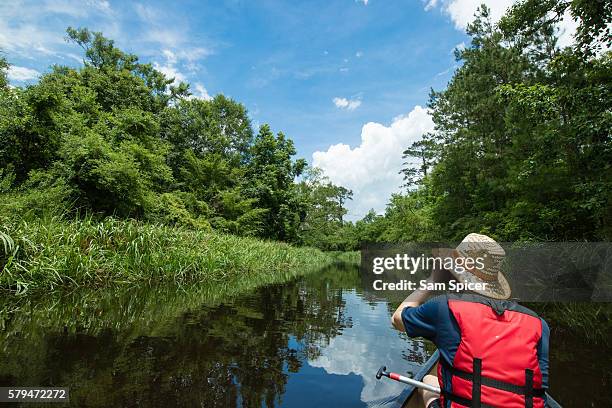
(496, 364)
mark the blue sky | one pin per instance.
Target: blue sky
(344, 79)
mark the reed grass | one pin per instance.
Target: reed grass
(589, 321)
(50, 252)
(352, 257)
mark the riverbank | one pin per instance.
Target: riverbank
(47, 253)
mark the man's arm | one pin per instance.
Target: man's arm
(419, 296)
(415, 299)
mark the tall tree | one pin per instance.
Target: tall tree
(270, 180)
(424, 151)
(323, 225)
(523, 134)
(3, 72)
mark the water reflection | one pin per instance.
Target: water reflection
(365, 346)
(311, 341)
(315, 340)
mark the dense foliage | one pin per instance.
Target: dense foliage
(117, 137)
(522, 147)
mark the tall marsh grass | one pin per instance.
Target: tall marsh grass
(50, 252)
(589, 321)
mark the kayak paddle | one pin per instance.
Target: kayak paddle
(406, 380)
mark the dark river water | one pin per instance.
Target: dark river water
(313, 341)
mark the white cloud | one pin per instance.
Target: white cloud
(194, 53)
(462, 13)
(24, 38)
(66, 7)
(168, 36)
(72, 56)
(146, 13)
(102, 5)
(371, 169)
(165, 36)
(26, 28)
(75, 8)
(36, 31)
(359, 54)
(175, 40)
(170, 71)
(358, 352)
(431, 4)
(170, 56)
(365, 2)
(348, 104)
(446, 71)
(174, 58)
(201, 92)
(22, 73)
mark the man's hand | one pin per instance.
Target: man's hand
(440, 275)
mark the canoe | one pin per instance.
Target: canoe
(409, 398)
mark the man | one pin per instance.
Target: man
(493, 352)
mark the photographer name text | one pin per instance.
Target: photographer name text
(424, 284)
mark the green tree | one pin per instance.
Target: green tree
(270, 180)
(323, 225)
(594, 19)
(116, 137)
(424, 151)
(119, 79)
(522, 135)
(220, 127)
(30, 128)
(95, 127)
(3, 72)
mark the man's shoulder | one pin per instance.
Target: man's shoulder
(441, 299)
(500, 305)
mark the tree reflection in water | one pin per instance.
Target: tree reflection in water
(188, 347)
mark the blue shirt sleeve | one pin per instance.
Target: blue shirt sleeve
(543, 352)
(422, 321)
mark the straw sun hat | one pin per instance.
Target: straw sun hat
(492, 255)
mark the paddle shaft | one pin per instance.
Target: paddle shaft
(407, 380)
